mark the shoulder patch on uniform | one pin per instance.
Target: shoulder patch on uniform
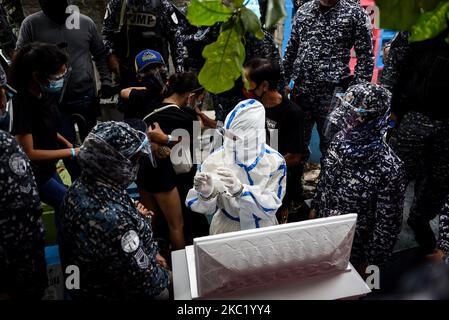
(130, 241)
(18, 164)
(142, 259)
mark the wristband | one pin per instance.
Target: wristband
(72, 150)
(170, 140)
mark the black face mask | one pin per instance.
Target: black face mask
(155, 80)
(55, 9)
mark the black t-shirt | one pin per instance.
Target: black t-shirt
(141, 103)
(38, 117)
(163, 178)
(288, 119)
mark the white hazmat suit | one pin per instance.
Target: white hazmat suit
(243, 182)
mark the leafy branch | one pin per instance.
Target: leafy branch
(225, 57)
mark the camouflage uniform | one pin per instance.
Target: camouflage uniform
(418, 76)
(102, 232)
(22, 260)
(298, 3)
(11, 17)
(143, 24)
(362, 175)
(195, 39)
(318, 54)
(395, 62)
(443, 241)
(4, 116)
(14, 12)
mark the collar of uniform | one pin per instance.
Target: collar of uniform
(316, 7)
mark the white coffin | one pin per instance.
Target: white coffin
(225, 263)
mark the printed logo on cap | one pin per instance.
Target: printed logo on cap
(148, 56)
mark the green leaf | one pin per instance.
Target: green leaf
(275, 12)
(237, 3)
(401, 15)
(431, 23)
(224, 61)
(208, 12)
(251, 23)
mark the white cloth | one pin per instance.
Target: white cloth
(260, 169)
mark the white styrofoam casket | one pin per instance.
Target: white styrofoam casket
(229, 262)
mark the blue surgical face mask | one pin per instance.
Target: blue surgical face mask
(55, 82)
(53, 86)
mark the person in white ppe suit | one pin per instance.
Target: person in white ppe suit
(243, 182)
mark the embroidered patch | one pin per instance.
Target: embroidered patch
(18, 164)
(142, 259)
(130, 241)
(139, 19)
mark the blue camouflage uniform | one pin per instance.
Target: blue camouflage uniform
(4, 116)
(135, 25)
(318, 54)
(298, 3)
(23, 272)
(102, 232)
(14, 12)
(11, 16)
(362, 175)
(443, 241)
(418, 76)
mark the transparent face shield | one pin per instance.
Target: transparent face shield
(145, 148)
(344, 115)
